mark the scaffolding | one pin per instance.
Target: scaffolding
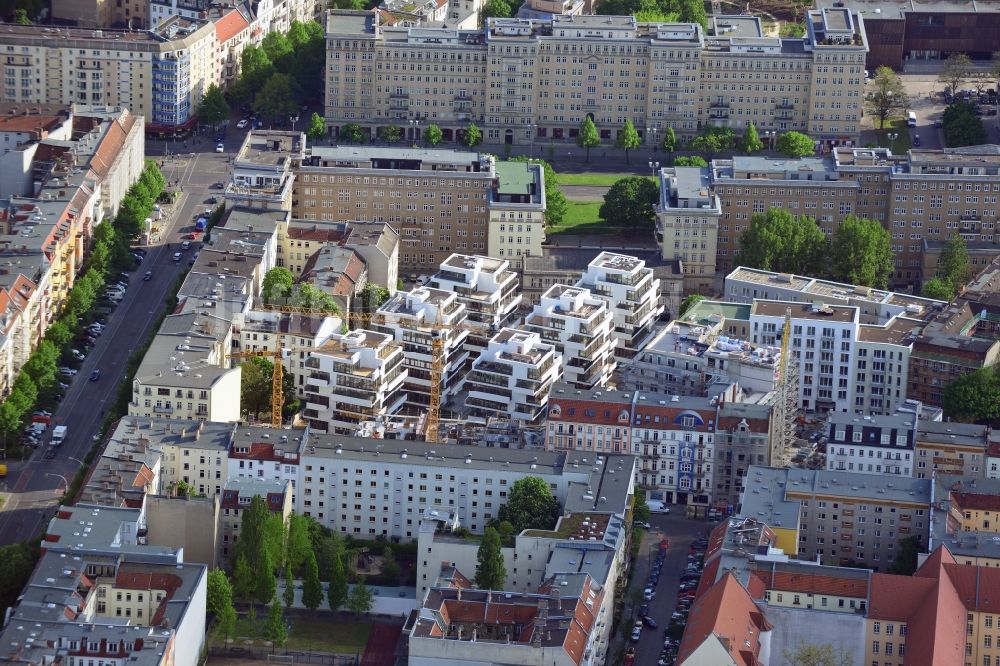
(786, 405)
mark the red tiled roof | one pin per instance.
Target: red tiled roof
(807, 583)
(727, 614)
(975, 501)
(317, 233)
(229, 26)
(596, 412)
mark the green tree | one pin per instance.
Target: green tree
(255, 545)
(278, 283)
(212, 108)
(956, 70)
(390, 567)
(226, 621)
(299, 544)
(316, 129)
(691, 11)
(312, 588)
(689, 302)
(906, 556)
(824, 654)
(59, 334)
(640, 510)
(691, 161)
(297, 34)
(274, 627)
(255, 66)
(887, 96)
(588, 136)
(277, 46)
(219, 592)
(17, 560)
(938, 288)
(275, 99)
(373, 296)
(473, 136)
(861, 253)
(255, 386)
(974, 398)
(751, 142)
(555, 201)
(433, 135)
(337, 590)
(352, 133)
(21, 17)
(361, 599)
(631, 201)
(494, 9)
(311, 297)
(628, 139)
(243, 579)
(669, 143)
(288, 594)
(794, 144)
(953, 263)
(713, 140)
(390, 133)
(530, 505)
(962, 127)
(778, 241)
(792, 30)
(490, 570)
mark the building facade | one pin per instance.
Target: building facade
(872, 444)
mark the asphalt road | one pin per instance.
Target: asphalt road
(34, 486)
(681, 532)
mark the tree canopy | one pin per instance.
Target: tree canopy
(821, 654)
(361, 598)
(937, 288)
(337, 590)
(888, 95)
(669, 143)
(861, 253)
(433, 135)
(974, 398)
(490, 570)
(588, 136)
(352, 133)
(689, 302)
(212, 108)
(316, 129)
(713, 140)
(473, 136)
(961, 125)
(955, 71)
(556, 204)
(312, 588)
(274, 625)
(794, 144)
(530, 505)
(691, 161)
(631, 202)
(390, 133)
(906, 556)
(751, 143)
(257, 546)
(778, 241)
(628, 139)
(494, 9)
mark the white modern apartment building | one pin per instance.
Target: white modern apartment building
(353, 378)
(844, 365)
(632, 294)
(881, 445)
(513, 376)
(414, 319)
(383, 487)
(487, 288)
(579, 324)
(517, 211)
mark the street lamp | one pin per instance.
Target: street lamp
(654, 166)
(294, 119)
(59, 476)
(892, 136)
(76, 460)
(651, 133)
(414, 128)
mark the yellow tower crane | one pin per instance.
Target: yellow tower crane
(277, 379)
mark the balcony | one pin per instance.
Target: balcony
(719, 104)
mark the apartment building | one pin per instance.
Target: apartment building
(839, 517)
(98, 14)
(731, 630)
(513, 376)
(260, 453)
(158, 74)
(437, 200)
(872, 444)
(487, 288)
(958, 449)
(21, 133)
(418, 320)
(297, 334)
(632, 293)
(517, 211)
(843, 365)
(367, 487)
(953, 344)
(354, 378)
(687, 224)
(263, 172)
(579, 324)
(745, 434)
(963, 519)
(594, 420)
(236, 497)
(509, 77)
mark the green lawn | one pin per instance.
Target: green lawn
(582, 218)
(591, 179)
(324, 634)
(902, 142)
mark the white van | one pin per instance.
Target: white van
(656, 506)
(911, 119)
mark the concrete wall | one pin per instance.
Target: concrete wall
(191, 629)
(191, 524)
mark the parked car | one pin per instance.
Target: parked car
(177, 256)
(67, 372)
(220, 148)
(138, 258)
(649, 622)
(138, 250)
(916, 140)
(216, 186)
(648, 594)
(186, 245)
(636, 634)
(77, 354)
(639, 523)
(242, 124)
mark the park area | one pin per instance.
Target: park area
(329, 633)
